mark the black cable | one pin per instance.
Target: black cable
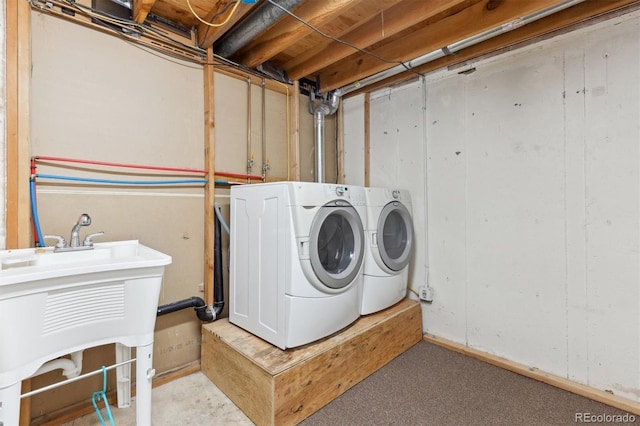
(132, 26)
(224, 9)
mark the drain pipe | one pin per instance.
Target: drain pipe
(457, 46)
(218, 290)
(327, 107)
(70, 367)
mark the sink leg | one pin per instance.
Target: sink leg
(123, 375)
(144, 375)
(10, 405)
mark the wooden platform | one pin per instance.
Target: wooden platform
(276, 387)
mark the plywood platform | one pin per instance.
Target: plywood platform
(276, 387)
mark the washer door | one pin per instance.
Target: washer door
(336, 244)
(396, 228)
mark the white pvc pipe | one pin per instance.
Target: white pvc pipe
(70, 367)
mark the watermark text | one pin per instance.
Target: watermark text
(604, 418)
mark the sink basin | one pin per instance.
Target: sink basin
(54, 303)
(22, 265)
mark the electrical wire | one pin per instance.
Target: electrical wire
(107, 21)
(337, 40)
(235, 7)
(103, 19)
(215, 15)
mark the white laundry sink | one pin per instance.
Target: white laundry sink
(55, 303)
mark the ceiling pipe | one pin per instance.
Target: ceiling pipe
(261, 18)
(457, 46)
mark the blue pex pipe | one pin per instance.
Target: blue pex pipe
(124, 182)
(34, 211)
(32, 191)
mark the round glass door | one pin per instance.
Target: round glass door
(336, 244)
(396, 229)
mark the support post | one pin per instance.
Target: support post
(209, 194)
(294, 135)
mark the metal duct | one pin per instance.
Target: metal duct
(261, 18)
(455, 47)
(327, 107)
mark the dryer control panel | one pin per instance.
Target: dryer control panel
(397, 194)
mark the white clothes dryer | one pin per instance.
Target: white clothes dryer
(297, 253)
(390, 241)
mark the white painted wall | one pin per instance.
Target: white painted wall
(397, 156)
(533, 173)
(353, 130)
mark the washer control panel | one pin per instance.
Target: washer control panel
(354, 195)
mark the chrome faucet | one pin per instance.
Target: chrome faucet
(74, 244)
(84, 220)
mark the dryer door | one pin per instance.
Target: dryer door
(395, 235)
(336, 244)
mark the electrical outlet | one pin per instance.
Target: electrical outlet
(201, 287)
(426, 294)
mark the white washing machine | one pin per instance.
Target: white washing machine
(390, 241)
(297, 254)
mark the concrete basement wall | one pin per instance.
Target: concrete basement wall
(533, 182)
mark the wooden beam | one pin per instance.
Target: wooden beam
(561, 21)
(209, 194)
(533, 373)
(17, 148)
(294, 132)
(18, 81)
(288, 30)
(396, 19)
(207, 34)
(141, 9)
(324, 45)
(470, 21)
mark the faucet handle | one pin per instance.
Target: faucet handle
(61, 243)
(87, 240)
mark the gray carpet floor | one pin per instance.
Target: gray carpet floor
(430, 385)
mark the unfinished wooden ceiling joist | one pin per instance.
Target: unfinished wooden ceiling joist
(339, 42)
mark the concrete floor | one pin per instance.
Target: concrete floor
(190, 400)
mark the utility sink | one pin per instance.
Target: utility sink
(37, 263)
(54, 303)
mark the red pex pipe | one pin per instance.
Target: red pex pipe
(139, 166)
(130, 166)
(238, 175)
